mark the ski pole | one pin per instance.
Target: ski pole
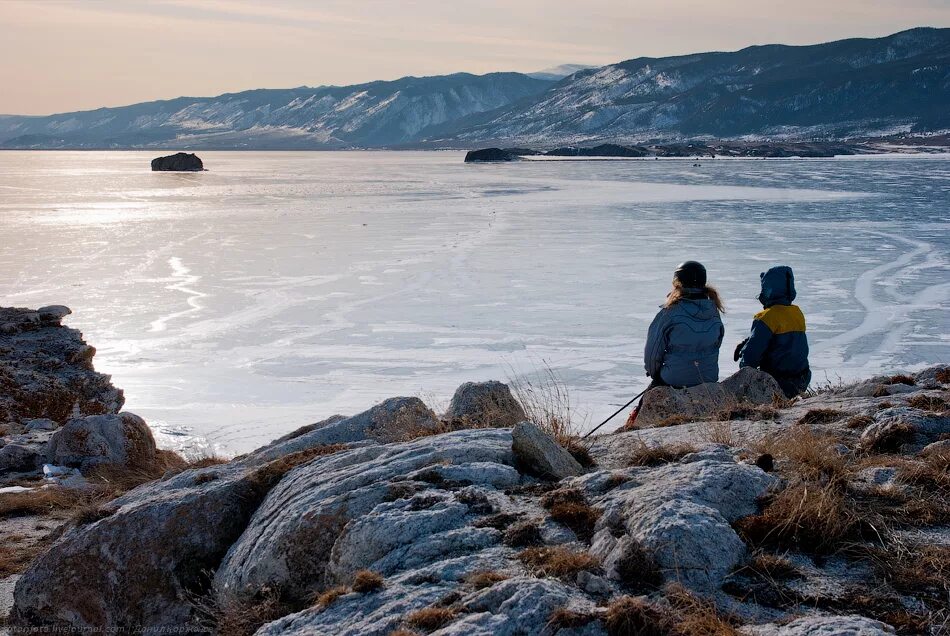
(615, 413)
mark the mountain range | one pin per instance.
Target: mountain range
(843, 89)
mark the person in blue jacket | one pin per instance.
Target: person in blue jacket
(684, 338)
(778, 344)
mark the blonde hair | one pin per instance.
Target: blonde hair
(677, 294)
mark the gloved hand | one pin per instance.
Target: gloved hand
(738, 352)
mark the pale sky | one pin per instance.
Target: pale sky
(62, 55)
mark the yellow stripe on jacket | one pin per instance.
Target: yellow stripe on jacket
(782, 318)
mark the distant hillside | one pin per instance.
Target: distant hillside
(844, 89)
(365, 115)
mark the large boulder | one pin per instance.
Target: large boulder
(539, 454)
(178, 162)
(343, 512)
(20, 458)
(681, 514)
(484, 404)
(137, 567)
(746, 386)
(124, 440)
(488, 155)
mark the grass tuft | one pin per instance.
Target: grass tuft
(367, 581)
(431, 618)
(629, 616)
(328, 597)
(821, 416)
(642, 454)
(928, 403)
(556, 561)
(485, 579)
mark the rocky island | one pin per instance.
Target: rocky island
(178, 162)
(734, 511)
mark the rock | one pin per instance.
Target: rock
(681, 515)
(823, 626)
(137, 565)
(540, 455)
(484, 404)
(124, 440)
(931, 377)
(178, 162)
(41, 424)
(488, 155)
(902, 425)
(46, 370)
(53, 313)
(19, 458)
(338, 513)
(766, 462)
(391, 420)
(747, 386)
(940, 447)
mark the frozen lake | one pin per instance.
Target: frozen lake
(279, 288)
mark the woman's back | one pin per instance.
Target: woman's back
(683, 344)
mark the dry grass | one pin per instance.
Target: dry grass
(811, 455)
(747, 412)
(565, 618)
(693, 616)
(629, 616)
(859, 422)
(16, 554)
(773, 567)
(637, 569)
(431, 618)
(546, 401)
(928, 403)
(403, 632)
(580, 451)
(570, 507)
(673, 420)
(245, 618)
(556, 561)
(485, 579)
(890, 439)
(523, 534)
(722, 432)
(642, 454)
(367, 581)
(821, 416)
(943, 376)
(270, 473)
(901, 379)
(813, 517)
(326, 598)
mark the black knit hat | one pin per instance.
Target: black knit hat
(691, 275)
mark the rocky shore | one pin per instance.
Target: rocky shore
(735, 512)
(699, 150)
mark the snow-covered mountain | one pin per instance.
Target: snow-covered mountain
(847, 88)
(844, 88)
(365, 115)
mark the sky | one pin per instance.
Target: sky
(64, 55)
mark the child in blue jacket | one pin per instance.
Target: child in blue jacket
(778, 344)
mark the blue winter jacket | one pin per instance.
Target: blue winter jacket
(778, 344)
(683, 343)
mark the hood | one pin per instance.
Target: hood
(778, 286)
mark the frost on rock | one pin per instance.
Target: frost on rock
(824, 626)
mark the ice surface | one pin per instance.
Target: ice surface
(279, 288)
